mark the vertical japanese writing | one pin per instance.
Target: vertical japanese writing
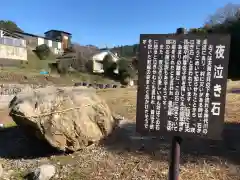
(177, 86)
(183, 112)
(218, 75)
(189, 86)
(166, 68)
(182, 84)
(207, 87)
(201, 86)
(196, 85)
(170, 111)
(154, 87)
(148, 77)
(159, 87)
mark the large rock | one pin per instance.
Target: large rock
(68, 118)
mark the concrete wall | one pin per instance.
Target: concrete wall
(97, 67)
(13, 53)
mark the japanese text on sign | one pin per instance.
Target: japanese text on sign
(183, 83)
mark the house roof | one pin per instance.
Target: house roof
(110, 52)
(11, 33)
(58, 31)
(32, 35)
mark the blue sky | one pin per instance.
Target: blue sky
(108, 22)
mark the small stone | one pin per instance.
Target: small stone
(44, 172)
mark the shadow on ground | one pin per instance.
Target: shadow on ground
(126, 140)
(14, 144)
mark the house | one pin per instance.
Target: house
(13, 49)
(33, 41)
(97, 60)
(62, 36)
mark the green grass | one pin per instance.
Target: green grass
(33, 66)
(11, 124)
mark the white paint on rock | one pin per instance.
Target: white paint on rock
(5, 100)
(44, 172)
(8, 92)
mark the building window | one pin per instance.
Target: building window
(50, 43)
(55, 51)
(40, 41)
(59, 45)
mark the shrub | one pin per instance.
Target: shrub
(126, 70)
(109, 65)
(62, 68)
(43, 51)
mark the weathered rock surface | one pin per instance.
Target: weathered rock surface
(1, 170)
(68, 118)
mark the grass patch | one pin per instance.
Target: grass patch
(10, 124)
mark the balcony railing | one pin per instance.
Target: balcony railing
(13, 41)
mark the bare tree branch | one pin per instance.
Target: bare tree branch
(229, 12)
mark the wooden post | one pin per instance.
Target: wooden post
(175, 158)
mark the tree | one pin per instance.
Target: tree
(84, 54)
(125, 70)
(9, 25)
(109, 65)
(127, 51)
(135, 62)
(230, 12)
(43, 51)
(227, 20)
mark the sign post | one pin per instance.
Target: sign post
(175, 158)
(182, 88)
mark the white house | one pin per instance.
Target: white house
(98, 58)
(12, 47)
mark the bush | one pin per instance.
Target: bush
(126, 71)
(62, 68)
(43, 51)
(109, 65)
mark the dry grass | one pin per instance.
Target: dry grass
(101, 164)
(123, 102)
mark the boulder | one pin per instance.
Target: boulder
(68, 118)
